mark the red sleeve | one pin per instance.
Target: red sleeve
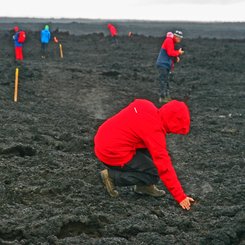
(113, 31)
(156, 144)
(168, 45)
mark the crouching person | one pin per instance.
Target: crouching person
(132, 146)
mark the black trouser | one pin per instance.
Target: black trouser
(139, 171)
(114, 40)
(164, 82)
(44, 48)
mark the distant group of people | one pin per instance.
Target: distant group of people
(19, 38)
(132, 143)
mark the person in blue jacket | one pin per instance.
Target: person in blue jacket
(45, 38)
(165, 62)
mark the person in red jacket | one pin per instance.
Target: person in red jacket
(17, 45)
(165, 62)
(132, 146)
(113, 31)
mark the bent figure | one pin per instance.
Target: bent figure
(132, 146)
(113, 32)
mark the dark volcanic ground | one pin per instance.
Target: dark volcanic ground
(50, 188)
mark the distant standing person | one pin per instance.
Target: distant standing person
(45, 38)
(165, 61)
(19, 38)
(113, 31)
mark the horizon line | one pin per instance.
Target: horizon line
(120, 20)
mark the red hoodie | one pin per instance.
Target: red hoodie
(142, 125)
(112, 30)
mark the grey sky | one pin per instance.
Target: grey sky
(166, 10)
(196, 2)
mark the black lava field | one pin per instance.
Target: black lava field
(50, 187)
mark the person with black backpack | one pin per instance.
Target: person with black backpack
(19, 38)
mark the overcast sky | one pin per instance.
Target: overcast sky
(186, 10)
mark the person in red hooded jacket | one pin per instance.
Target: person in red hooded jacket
(113, 31)
(132, 146)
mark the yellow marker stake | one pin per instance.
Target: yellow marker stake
(61, 51)
(16, 84)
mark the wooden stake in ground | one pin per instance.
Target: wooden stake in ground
(16, 84)
(61, 52)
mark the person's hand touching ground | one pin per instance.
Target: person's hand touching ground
(186, 203)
